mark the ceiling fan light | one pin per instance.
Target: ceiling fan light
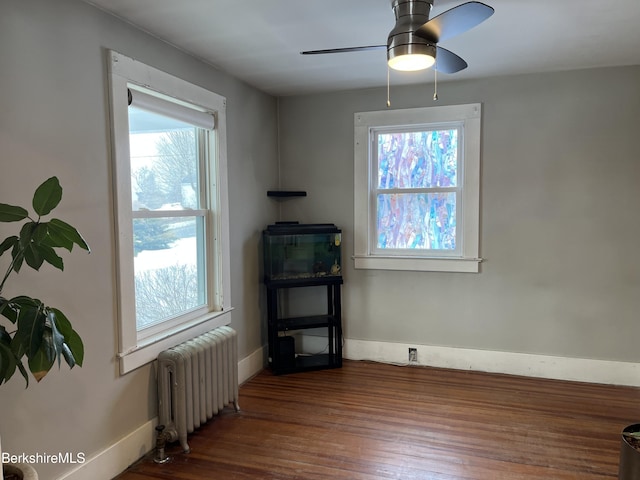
(411, 62)
(409, 54)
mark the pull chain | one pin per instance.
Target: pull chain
(435, 81)
(388, 96)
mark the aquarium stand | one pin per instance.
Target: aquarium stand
(298, 256)
(282, 356)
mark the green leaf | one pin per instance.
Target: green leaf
(40, 232)
(8, 243)
(26, 233)
(18, 256)
(61, 234)
(23, 372)
(19, 343)
(12, 213)
(42, 361)
(49, 255)
(73, 342)
(26, 251)
(47, 196)
(7, 363)
(8, 311)
(31, 327)
(7, 359)
(22, 301)
(32, 257)
(56, 336)
(76, 347)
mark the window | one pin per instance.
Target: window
(417, 192)
(171, 210)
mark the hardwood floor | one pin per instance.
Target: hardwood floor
(369, 421)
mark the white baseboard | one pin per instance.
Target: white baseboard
(251, 365)
(544, 366)
(118, 457)
(115, 459)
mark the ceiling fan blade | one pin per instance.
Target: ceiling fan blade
(454, 21)
(344, 50)
(448, 62)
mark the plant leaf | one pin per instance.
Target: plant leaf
(26, 233)
(25, 308)
(8, 360)
(7, 363)
(49, 255)
(18, 257)
(12, 213)
(31, 328)
(76, 347)
(23, 372)
(56, 336)
(42, 361)
(8, 243)
(22, 301)
(32, 257)
(72, 340)
(68, 355)
(47, 196)
(61, 234)
(7, 310)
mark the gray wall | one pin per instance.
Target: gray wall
(559, 208)
(54, 121)
(559, 213)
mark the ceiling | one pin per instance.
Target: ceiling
(258, 41)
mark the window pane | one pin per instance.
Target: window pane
(421, 159)
(417, 221)
(169, 268)
(164, 162)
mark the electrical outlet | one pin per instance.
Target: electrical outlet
(413, 354)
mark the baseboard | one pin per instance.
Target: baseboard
(114, 460)
(118, 457)
(543, 366)
(251, 365)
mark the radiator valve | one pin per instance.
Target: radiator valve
(161, 440)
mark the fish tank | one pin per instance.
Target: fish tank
(294, 251)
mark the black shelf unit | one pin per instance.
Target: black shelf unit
(282, 357)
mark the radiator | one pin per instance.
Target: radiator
(196, 380)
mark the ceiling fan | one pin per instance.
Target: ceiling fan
(413, 43)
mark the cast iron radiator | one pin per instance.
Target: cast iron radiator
(196, 380)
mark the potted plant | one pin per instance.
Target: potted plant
(629, 468)
(30, 330)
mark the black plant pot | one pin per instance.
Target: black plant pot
(629, 456)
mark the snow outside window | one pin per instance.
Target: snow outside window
(171, 209)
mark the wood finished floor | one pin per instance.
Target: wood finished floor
(370, 421)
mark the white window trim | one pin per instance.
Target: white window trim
(365, 256)
(125, 71)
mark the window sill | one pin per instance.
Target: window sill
(460, 265)
(148, 350)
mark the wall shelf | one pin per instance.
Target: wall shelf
(286, 193)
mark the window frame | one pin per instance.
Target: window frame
(366, 126)
(135, 350)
